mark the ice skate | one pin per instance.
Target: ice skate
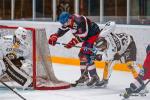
(127, 93)
(102, 83)
(142, 92)
(81, 81)
(93, 81)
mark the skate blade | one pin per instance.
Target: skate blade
(103, 86)
(78, 84)
(138, 94)
(133, 94)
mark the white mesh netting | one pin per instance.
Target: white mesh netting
(43, 74)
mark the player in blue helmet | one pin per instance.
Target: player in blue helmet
(86, 32)
(63, 18)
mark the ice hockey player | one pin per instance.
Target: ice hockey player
(15, 60)
(113, 48)
(138, 86)
(85, 31)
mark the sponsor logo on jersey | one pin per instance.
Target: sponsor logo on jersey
(6, 38)
(19, 51)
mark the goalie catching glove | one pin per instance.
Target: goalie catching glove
(72, 43)
(52, 39)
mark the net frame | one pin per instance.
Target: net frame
(57, 84)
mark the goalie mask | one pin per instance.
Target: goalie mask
(21, 35)
(101, 44)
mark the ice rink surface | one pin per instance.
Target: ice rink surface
(117, 83)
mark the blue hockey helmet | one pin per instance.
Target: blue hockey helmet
(148, 49)
(63, 18)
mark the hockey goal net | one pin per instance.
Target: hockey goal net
(42, 69)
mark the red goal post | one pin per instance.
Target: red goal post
(42, 69)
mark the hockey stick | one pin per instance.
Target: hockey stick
(13, 90)
(66, 44)
(91, 49)
(146, 83)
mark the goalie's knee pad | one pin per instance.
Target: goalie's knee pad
(16, 74)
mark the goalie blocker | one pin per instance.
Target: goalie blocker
(16, 74)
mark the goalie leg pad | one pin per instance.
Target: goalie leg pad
(2, 67)
(16, 74)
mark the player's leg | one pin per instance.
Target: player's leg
(16, 74)
(92, 71)
(144, 74)
(130, 58)
(136, 87)
(90, 63)
(87, 67)
(87, 63)
(106, 73)
(83, 69)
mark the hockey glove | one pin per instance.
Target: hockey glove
(72, 43)
(117, 56)
(52, 39)
(98, 57)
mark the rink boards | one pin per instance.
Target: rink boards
(60, 54)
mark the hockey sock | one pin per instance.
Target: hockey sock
(84, 72)
(93, 72)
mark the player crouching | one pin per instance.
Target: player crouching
(114, 48)
(14, 58)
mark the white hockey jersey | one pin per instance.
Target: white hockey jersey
(7, 46)
(117, 43)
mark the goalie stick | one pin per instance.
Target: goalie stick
(13, 90)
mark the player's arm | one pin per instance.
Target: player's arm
(109, 54)
(61, 31)
(82, 29)
(81, 32)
